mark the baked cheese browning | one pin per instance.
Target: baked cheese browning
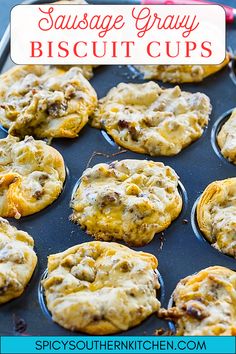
(45, 102)
(216, 215)
(181, 73)
(101, 288)
(31, 176)
(226, 138)
(17, 261)
(128, 200)
(205, 304)
(148, 119)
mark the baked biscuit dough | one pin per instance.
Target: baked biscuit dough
(205, 304)
(17, 261)
(45, 102)
(31, 176)
(87, 70)
(181, 73)
(128, 200)
(226, 138)
(101, 288)
(148, 119)
(216, 215)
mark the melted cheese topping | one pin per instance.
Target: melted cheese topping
(101, 288)
(129, 200)
(180, 73)
(45, 101)
(17, 261)
(227, 138)
(31, 176)
(205, 303)
(216, 215)
(148, 119)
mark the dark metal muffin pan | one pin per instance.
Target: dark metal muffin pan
(179, 251)
(215, 131)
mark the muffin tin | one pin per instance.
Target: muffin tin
(215, 131)
(179, 251)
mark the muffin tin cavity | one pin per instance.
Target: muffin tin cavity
(5, 130)
(41, 297)
(108, 138)
(181, 190)
(215, 131)
(171, 304)
(198, 233)
(47, 313)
